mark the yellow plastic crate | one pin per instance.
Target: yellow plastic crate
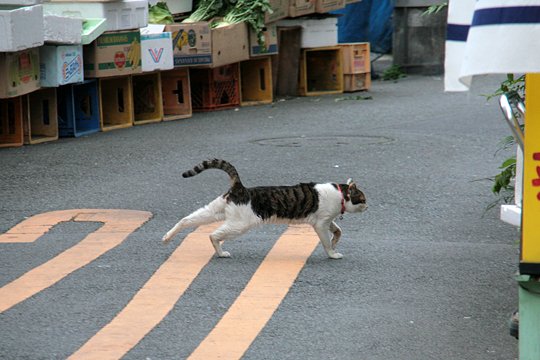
(321, 71)
(256, 82)
(40, 116)
(147, 98)
(115, 103)
(356, 58)
(356, 82)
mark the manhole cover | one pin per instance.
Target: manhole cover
(334, 140)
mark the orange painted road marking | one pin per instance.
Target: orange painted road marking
(239, 327)
(154, 301)
(118, 224)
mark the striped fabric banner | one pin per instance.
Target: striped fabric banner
(491, 37)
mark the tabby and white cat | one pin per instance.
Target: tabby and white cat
(243, 208)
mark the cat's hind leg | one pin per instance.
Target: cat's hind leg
(336, 231)
(323, 230)
(227, 231)
(214, 211)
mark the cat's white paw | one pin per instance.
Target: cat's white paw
(225, 254)
(336, 256)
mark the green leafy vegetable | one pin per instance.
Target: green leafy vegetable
(160, 14)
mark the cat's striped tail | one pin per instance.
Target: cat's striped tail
(215, 164)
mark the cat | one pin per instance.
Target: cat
(244, 208)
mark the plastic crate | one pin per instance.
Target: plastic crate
(355, 58)
(216, 88)
(78, 109)
(147, 99)
(115, 103)
(176, 94)
(320, 71)
(11, 123)
(256, 78)
(40, 116)
(356, 82)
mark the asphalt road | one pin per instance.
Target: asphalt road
(426, 273)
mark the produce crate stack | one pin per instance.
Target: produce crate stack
(71, 68)
(356, 66)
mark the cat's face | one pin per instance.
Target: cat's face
(356, 201)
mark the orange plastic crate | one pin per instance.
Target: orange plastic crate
(11, 124)
(176, 94)
(216, 88)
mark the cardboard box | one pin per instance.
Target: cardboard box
(21, 28)
(19, 72)
(120, 15)
(280, 10)
(156, 49)
(196, 44)
(315, 32)
(113, 54)
(301, 7)
(62, 30)
(324, 6)
(270, 42)
(61, 65)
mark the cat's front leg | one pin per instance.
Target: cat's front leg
(324, 236)
(336, 231)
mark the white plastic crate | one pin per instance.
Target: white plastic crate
(315, 32)
(120, 15)
(62, 30)
(20, 2)
(179, 6)
(21, 28)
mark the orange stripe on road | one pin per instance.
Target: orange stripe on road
(154, 301)
(118, 224)
(239, 327)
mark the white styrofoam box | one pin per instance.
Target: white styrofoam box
(62, 29)
(120, 15)
(20, 2)
(179, 6)
(61, 65)
(315, 32)
(156, 51)
(21, 28)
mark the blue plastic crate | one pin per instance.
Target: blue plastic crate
(78, 109)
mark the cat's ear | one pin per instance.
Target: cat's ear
(351, 183)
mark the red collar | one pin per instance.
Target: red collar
(342, 200)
